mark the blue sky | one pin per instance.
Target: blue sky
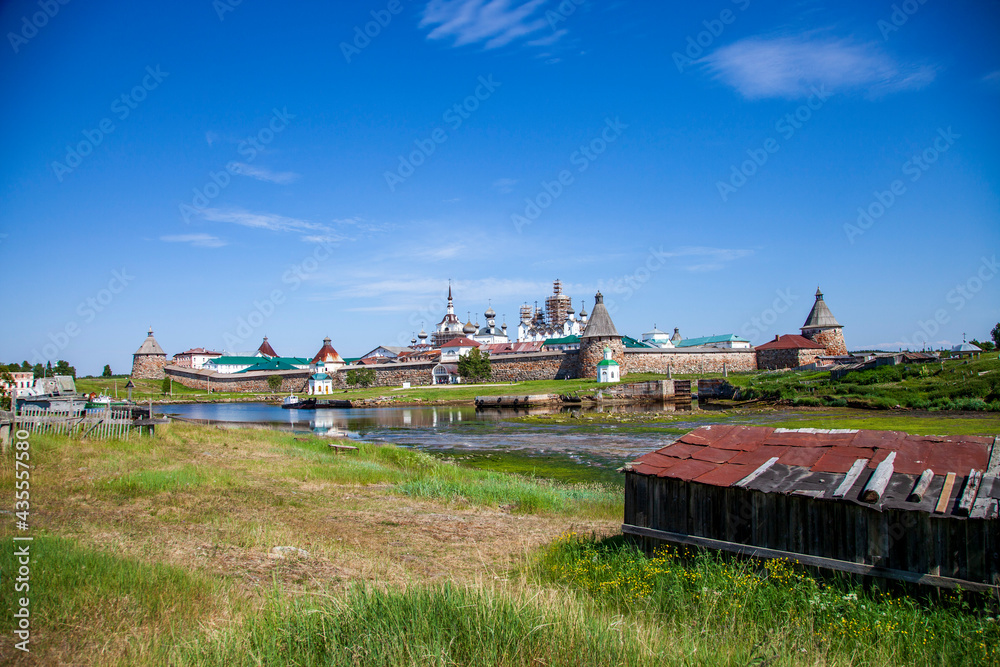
(223, 171)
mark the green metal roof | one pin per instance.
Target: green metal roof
(270, 365)
(607, 362)
(633, 343)
(705, 340)
(565, 340)
(237, 361)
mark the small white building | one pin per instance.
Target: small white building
(390, 352)
(657, 338)
(195, 358)
(608, 369)
(23, 381)
(726, 342)
(446, 374)
(455, 348)
(320, 384)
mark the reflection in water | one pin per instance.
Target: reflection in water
(447, 427)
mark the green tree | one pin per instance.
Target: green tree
(63, 368)
(995, 334)
(6, 389)
(986, 346)
(274, 382)
(107, 371)
(38, 370)
(165, 385)
(475, 365)
(361, 377)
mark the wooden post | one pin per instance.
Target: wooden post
(942, 503)
(921, 486)
(852, 476)
(758, 472)
(879, 480)
(969, 495)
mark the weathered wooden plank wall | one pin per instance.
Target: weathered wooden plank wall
(906, 540)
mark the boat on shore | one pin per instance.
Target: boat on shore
(314, 404)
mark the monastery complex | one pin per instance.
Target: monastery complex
(553, 343)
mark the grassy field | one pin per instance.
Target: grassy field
(162, 551)
(950, 385)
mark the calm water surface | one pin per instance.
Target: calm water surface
(452, 428)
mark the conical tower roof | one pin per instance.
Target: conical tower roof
(266, 349)
(820, 316)
(600, 324)
(327, 354)
(150, 346)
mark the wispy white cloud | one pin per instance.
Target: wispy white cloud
(504, 185)
(265, 174)
(418, 289)
(338, 231)
(268, 221)
(211, 138)
(437, 253)
(760, 67)
(707, 258)
(492, 23)
(196, 240)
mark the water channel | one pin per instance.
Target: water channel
(457, 431)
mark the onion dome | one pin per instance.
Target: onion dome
(469, 328)
(422, 335)
(413, 341)
(490, 313)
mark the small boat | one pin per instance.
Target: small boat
(290, 401)
(313, 404)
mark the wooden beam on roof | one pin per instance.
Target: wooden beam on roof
(758, 472)
(993, 467)
(972, 483)
(949, 484)
(879, 480)
(852, 476)
(920, 488)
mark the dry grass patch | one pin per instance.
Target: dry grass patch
(213, 503)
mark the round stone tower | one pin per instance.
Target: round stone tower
(823, 328)
(149, 360)
(599, 334)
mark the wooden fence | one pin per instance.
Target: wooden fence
(100, 423)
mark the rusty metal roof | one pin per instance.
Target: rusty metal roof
(816, 462)
(791, 342)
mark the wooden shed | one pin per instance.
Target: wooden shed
(921, 509)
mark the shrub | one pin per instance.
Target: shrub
(807, 401)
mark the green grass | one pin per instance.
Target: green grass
(748, 612)
(418, 474)
(556, 467)
(953, 385)
(437, 625)
(917, 424)
(151, 482)
(121, 600)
